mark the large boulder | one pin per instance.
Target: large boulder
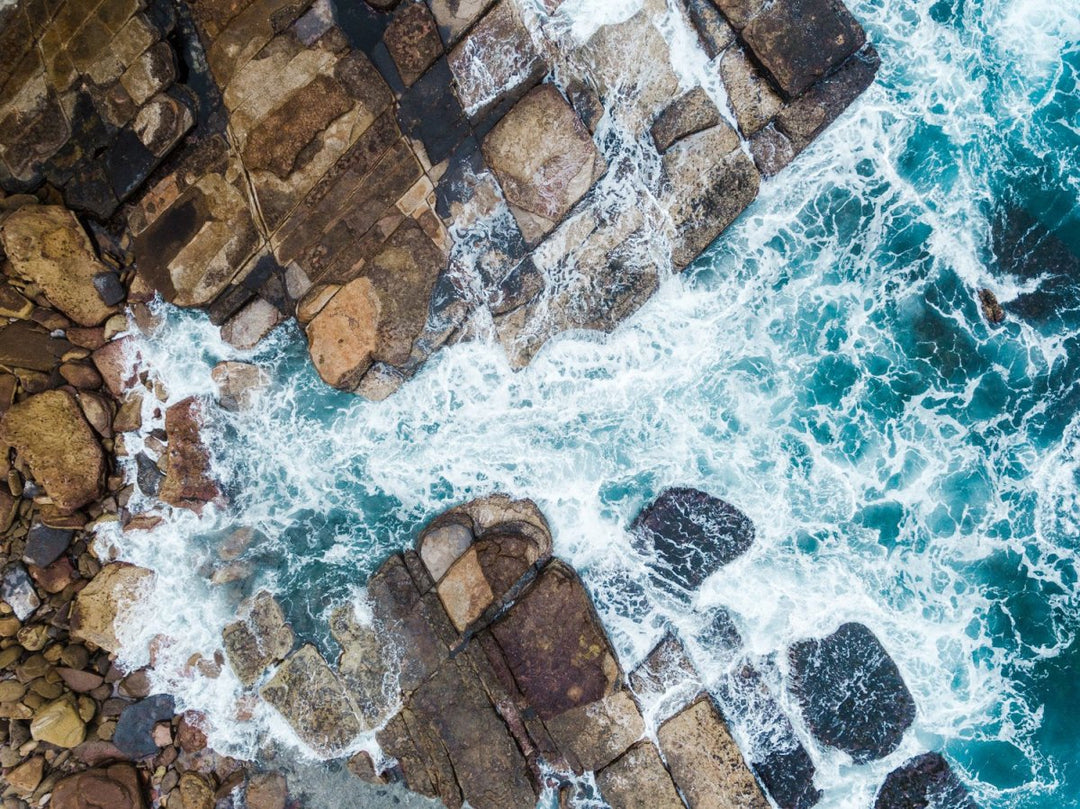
(544, 158)
(851, 692)
(705, 761)
(261, 638)
(50, 432)
(134, 733)
(923, 782)
(47, 245)
(239, 384)
(314, 701)
(558, 663)
(687, 535)
(188, 482)
(112, 594)
(116, 786)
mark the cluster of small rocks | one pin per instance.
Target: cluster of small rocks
(75, 729)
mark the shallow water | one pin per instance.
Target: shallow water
(824, 367)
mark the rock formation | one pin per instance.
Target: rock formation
(924, 782)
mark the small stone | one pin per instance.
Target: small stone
(134, 733)
(109, 288)
(189, 733)
(195, 792)
(162, 734)
(267, 791)
(17, 591)
(44, 545)
(26, 777)
(80, 681)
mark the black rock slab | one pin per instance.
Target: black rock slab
(430, 112)
(134, 734)
(851, 692)
(687, 535)
(923, 782)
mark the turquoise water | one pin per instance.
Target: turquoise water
(825, 367)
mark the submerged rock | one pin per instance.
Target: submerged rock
(687, 535)
(51, 433)
(923, 782)
(239, 384)
(851, 692)
(257, 641)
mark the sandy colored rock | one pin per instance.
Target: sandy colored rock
(239, 384)
(342, 336)
(266, 790)
(51, 434)
(442, 542)
(752, 98)
(59, 723)
(687, 115)
(25, 778)
(544, 158)
(112, 593)
(251, 324)
(638, 780)
(195, 792)
(594, 735)
(258, 640)
(47, 245)
(705, 761)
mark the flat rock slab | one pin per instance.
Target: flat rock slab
(260, 639)
(594, 735)
(116, 786)
(311, 697)
(851, 692)
(557, 665)
(705, 762)
(687, 535)
(639, 780)
(923, 782)
(666, 681)
(51, 434)
(188, 481)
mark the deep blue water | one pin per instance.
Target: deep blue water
(825, 367)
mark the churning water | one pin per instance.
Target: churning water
(824, 367)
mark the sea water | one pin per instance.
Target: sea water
(824, 367)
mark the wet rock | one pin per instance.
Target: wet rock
(665, 681)
(713, 31)
(638, 780)
(923, 782)
(800, 41)
(50, 432)
(189, 733)
(544, 158)
(59, 723)
(454, 17)
(496, 62)
(709, 181)
(44, 544)
(991, 309)
(161, 123)
(112, 594)
(687, 115)
(251, 324)
(705, 762)
(687, 535)
(594, 735)
(752, 98)
(188, 482)
(314, 702)
(413, 41)
(147, 475)
(562, 665)
(195, 792)
(239, 384)
(134, 734)
(113, 362)
(259, 640)
(47, 245)
(851, 692)
(378, 316)
(268, 790)
(115, 786)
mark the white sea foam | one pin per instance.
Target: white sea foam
(712, 384)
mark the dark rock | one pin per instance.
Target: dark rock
(116, 786)
(228, 303)
(26, 345)
(686, 115)
(557, 665)
(413, 41)
(44, 545)
(991, 309)
(687, 535)
(800, 41)
(430, 113)
(134, 734)
(923, 782)
(110, 288)
(851, 692)
(147, 475)
(713, 30)
(128, 163)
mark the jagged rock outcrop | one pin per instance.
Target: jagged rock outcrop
(923, 782)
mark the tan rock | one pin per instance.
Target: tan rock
(251, 324)
(706, 763)
(239, 384)
(116, 786)
(112, 593)
(195, 792)
(464, 591)
(47, 245)
(343, 336)
(638, 780)
(50, 433)
(59, 723)
(258, 640)
(25, 778)
(594, 735)
(752, 98)
(544, 158)
(188, 482)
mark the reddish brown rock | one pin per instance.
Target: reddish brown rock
(188, 482)
(113, 787)
(51, 434)
(413, 41)
(266, 791)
